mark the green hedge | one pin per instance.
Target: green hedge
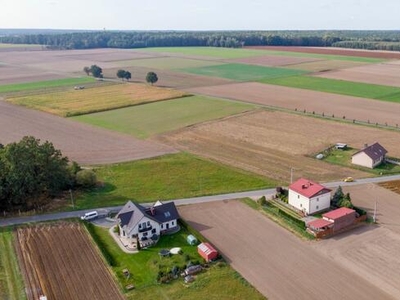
(193, 232)
(100, 243)
(298, 222)
(360, 211)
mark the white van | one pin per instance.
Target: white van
(90, 215)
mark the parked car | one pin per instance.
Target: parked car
(90, 216)
(348, 179)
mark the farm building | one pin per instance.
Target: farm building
(308, 196)
(341, 217)
(146, 223)
(370, 156)
(207, 251)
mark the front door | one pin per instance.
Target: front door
(167, 225)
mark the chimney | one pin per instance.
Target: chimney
(365, 145)
(152, 211)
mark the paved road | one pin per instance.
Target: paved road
(185, 201)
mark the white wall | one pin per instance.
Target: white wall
(362, 159)
(135, 230)
(172, 224)
(309, 205)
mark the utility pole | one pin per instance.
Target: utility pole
(291, 175)
(72, 199)
(374, 217)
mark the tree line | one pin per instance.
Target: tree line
(33, 173)
(386, 40)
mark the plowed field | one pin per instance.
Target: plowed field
(60, 261)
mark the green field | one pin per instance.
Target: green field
(216, 52)
(217, 282)
(143, 121)
(166, 63)
(242, 72)
(19, 46)
(167, 177)
(365, 90)
(38, 85)
(11, 282)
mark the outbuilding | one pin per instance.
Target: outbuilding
(207, 251)
(341, 218)
(191, 239)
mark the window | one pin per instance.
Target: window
(153, 230)
(317, 206)
(162, 226)
(173, 223)
(144, 233)
(148, 223)
(317, 199)
(167, 214)
(298, 196)
(301, 205)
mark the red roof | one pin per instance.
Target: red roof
(308, 188)
(338, 213)
(319, 223)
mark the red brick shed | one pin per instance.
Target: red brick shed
(341, 217)
(207, 251)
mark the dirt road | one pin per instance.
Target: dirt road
(80, 142)
(277, 263)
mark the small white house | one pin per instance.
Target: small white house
(308, 196)
(369, 156)
(139, 223)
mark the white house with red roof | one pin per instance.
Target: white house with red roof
(309, 196)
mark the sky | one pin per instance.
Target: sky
(201, 15)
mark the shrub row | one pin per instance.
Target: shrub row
(100, 243)
(193, 232)
(298, 222)
(360, 211)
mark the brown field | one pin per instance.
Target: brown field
(270, 143)
(325, 65)
(291, 98)
(333, 51)
(278, 264)
(74, 102)
(17, 74)
(393, 186)
(273, 60)
(60, 261)
(173, 79)
(384, 74)
(371, 251)
(80, 142)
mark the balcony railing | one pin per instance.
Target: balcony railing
(144, 229)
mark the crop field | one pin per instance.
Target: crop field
(44, 85)
(333, 51)
(8, 46)
(384, 74)
(77, 102)
(270, 143)
(291, 98)
(168, 177)
(166, 63)
(336, 86)
(325, 65)
(80, 142)
(144, 121)
(242, 72)
(61, 262)
(273, 60)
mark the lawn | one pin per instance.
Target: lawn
(11, 282)
(77, 102)
(364, 90)
(167, 177)
(166, 63)
(216, 52)
(2, 45)
(43, 85)
(343, 158)
(217, 282)
(145, 120)
(242, 72)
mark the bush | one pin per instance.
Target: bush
(262, 201)
(298, 222)
(86, 178)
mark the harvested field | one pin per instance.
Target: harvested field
(166, 63)
(173, 79)
(82, 143)
(78, 102)
(277, 263)
(385, 74)
(270, 143)
(290, 98)
(61, 262)
(333, 51)
(326, 65)
(393, 186)
(371, 251)
(16, 74)
(273, 60)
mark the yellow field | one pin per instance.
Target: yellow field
(78, 102)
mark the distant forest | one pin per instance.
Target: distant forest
(372, 40)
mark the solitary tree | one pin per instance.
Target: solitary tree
(96, 71)
(151, 78)
(128, 75)
(121, 74)
(86, 70)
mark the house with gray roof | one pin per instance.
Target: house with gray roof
(146, 224)
(370, 156)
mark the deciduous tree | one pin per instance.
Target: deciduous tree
(151, 78)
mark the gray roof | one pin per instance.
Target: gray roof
(130, 214)
(163, 213)
(375, 151)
